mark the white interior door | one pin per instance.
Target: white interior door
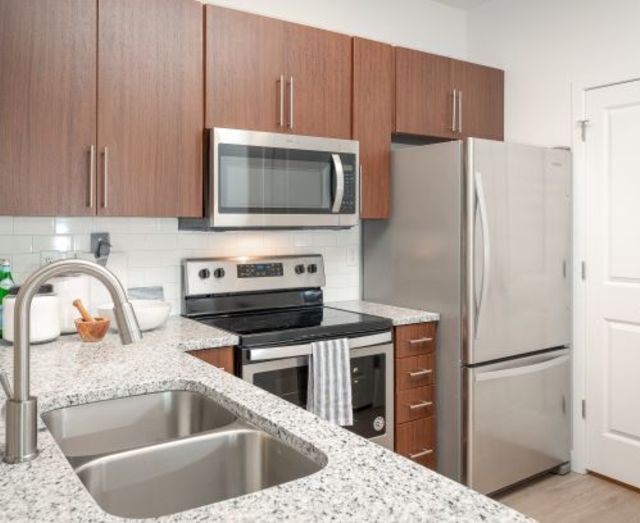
(613, 281)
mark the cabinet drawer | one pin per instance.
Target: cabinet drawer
(416, 371)
(413, 340)
(221, 357)
(416, 440)
(414, 404)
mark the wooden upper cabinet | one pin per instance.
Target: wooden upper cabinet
(481, 100)
(47, 106)
(150, 107)
(244, 71)
(424, 94)
(318, 74)
(373, 87)
(269, 75)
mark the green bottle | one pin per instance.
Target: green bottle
(6, 282)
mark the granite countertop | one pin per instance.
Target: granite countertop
(361, 480)
(399, 315)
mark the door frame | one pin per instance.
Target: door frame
(579, 89)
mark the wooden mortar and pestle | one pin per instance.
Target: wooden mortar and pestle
(90, 328)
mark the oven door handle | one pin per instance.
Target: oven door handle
(339, 170)
(295, 351)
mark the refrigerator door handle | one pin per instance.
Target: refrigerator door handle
(486, 247)
(519, 371)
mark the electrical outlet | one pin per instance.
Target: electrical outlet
(352, 256)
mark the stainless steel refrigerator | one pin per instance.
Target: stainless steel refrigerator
(480, 232)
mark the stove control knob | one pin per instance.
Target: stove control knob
(299, 269)
(312, 268)
(219, 273)
(204, 274)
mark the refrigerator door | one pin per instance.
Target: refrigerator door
(517, 421)
(517, 243)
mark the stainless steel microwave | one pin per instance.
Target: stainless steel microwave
(272, 180)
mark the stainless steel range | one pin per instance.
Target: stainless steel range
(275, 305)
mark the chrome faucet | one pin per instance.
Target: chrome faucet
(22, 408)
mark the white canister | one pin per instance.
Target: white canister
(45, 315)
(69, 288)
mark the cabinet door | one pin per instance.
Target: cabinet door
(150, 107)
(424, 94)
(318, 65)
(47, 106)
(244, 66)
(481, 100)
(373, 87)
(220, 357)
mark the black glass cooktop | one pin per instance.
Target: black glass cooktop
(296, 325)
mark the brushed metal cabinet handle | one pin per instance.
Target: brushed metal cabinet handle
(420, 340)
(423, 452)
(92, 173)
(454, 109)
(291, 106)
(105, 174)
(281, 106)
(421, 372)
(421, 405)
(460, 111)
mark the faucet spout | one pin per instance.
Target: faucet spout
(21, 423)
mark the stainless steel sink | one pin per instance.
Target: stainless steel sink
(192, 472)
(162, 453)
(94, 429)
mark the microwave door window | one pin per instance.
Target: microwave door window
(273, 181)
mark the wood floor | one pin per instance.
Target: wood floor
(575, 498)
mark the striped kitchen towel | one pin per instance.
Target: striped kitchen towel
(329, 389)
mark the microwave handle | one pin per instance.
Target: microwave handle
(339, 170)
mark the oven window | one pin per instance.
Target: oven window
(368, 379)
(267, 180)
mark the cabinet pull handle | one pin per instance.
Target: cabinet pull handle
(281, 107)
(105, 158)
(421, 405)
(421, 372)
(92, 172)
(291, 102)
(420, 340)
(454, 110)
(423, 452)
(460, 111)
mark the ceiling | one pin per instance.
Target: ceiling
(463, 4)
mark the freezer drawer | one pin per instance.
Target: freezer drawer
(518, 419)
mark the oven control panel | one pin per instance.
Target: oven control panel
(260, 270)
(210, 276)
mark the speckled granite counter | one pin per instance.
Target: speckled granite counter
(399, 315)
(361, 480)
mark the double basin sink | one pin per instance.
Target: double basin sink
(165, 452)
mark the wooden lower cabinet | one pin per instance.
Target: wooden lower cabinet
(416, 440)
(221, 357)
(415, 395)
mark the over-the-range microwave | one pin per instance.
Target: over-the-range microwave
(271, 180)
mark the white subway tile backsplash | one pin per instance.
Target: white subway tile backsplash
(149, 251)
(16, 244)
(73, 225)
(53, 243)
(6, 224)
(32, 225)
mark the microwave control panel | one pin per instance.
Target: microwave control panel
(350, 185)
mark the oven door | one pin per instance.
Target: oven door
(371, 385)
(277, 180)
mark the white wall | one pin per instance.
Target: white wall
(543, 46)
(419, 24)
(148, 251)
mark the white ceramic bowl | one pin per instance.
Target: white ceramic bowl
(151, 314)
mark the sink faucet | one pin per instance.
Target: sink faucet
(22, 408)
